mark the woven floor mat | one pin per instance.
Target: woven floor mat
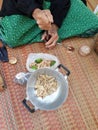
(79, 112)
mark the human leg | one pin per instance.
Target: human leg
(18, 30)
(80, 21)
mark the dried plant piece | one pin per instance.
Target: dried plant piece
(45, 85)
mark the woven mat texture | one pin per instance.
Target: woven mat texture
(79, 112)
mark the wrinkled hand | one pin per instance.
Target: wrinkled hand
(51, 43)
(43, 18)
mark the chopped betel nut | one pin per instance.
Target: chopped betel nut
(12, 60)
(45, 85)
(41, 63)
(70, 48)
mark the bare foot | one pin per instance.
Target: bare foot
(1, 44)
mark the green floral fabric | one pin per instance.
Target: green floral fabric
(17, 30)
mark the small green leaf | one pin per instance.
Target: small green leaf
(34, 67)
(52, 63)
(39, 60)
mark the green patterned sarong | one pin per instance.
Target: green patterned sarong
(18, 30)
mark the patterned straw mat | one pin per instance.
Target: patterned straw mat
(79, 112)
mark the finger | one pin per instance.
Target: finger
(51, 45)
(45, 17)
(49, 16)
(52, 39)
(43, 36)
(43, 27)
(38, 22)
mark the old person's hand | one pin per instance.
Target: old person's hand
(43, 18)
(51, 42)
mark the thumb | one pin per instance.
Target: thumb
(43, 36)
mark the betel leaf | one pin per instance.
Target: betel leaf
(52, 62)
(34, 67)
(39, 60)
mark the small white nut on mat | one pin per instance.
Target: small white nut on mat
(84, 50)
(12, 60)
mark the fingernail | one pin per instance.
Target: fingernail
(42, 38)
